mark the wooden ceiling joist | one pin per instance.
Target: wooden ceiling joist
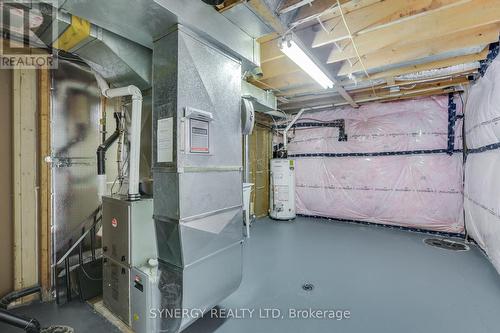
(327, 9)
(443, 22)
(290, 5)
(422, 49)
(378, 15)
(432, 65)
(382, 94)
(290, 80)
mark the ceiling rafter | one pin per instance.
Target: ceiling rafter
(425, 48)
(443, 22)
(377, 16)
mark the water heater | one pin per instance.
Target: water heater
(282, 193)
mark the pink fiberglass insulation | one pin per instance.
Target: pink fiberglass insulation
(416, 190)
(482, 168)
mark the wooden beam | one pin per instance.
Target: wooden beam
(426, 27)
(376, 16)
(328, 9)
(382, 94)
(45, 211)
(424, 48)
(290, 80)
(25, 178)
(290, 5)
(432, 65)
(261, 8)
(228, 4)
(270, 51)
(278, 67)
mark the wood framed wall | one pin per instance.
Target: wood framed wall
(25, 178)
(260, 154)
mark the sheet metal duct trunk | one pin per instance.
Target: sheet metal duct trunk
(197, 191)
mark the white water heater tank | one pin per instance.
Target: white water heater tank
(282, 193)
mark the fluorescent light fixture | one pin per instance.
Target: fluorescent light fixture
(298, 56)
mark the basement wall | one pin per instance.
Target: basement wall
(393, 169)
(482, 167)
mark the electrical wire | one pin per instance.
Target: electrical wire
(355, 47)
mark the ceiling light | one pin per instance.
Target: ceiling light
(293, 51)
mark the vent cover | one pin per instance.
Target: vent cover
(446, 244)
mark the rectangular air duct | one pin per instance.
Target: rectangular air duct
(197, 156)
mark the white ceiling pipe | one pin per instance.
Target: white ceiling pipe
(135, 130)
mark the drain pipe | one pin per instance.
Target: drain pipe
(135, 130)
(101, 157)
(294, 120)
(30, 325)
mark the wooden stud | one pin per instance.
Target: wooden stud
(45, 211)
(25, 178)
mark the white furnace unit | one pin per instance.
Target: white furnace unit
(282, 194)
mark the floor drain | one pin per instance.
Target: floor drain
(446, 244)
(308, 286)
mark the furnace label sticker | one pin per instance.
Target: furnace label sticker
(199, 136)
(165, 140)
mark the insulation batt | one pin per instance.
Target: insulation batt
(418, 191)
(482, 170)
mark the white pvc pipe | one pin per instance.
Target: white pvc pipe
(135, 130)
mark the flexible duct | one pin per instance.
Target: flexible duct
(135, 130)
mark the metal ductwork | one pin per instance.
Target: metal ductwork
(144, 21)
(197, 174)
(118, 60)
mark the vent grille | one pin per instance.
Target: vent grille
(446, 244)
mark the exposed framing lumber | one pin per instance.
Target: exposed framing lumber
(378, 15)
(290, 5)
(432, 65)
(382, 94)
(279, 67)
(228, 4)
(425, 48)
(467, 16)
(291, 80)
(25, 178)
(260, 7)
(270, 71)
(326, 9)
(45, 180)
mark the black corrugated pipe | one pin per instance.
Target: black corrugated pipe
(29, 325)
(11, 297)
(101, 150)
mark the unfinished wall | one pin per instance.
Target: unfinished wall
(393, 169)
(482, 168)
(260, 154)
(6, 222)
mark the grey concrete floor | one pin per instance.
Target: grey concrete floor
(388, 280)
(78, 315)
